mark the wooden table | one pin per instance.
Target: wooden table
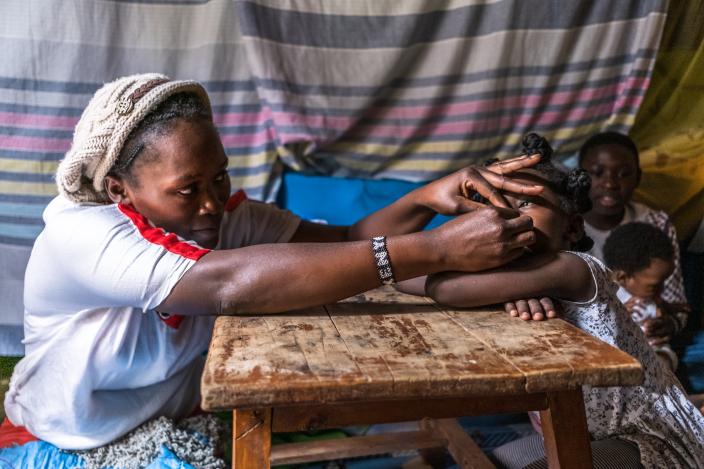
(389, 357)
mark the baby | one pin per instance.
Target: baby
(642, 258)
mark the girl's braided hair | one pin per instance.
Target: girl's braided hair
(571, 188)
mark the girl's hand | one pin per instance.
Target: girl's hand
(452, 194)
(533, 308)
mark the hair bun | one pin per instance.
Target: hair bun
(578, 185)
(534, 143)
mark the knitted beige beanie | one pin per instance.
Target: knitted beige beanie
(113, 112)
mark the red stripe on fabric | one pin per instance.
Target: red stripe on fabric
(11, 435)
(171, 320)
(158, 236)
(235, 200)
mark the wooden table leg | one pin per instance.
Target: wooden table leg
(564, 425)
(251, 438)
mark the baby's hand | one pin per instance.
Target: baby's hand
(535, 309)
(659, 330)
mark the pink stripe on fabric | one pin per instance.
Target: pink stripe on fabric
(239, 118)
(17, 119)
(422, 112)
(15, 142)
(567, 117)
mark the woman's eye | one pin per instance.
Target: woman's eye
(524, 203)
(221, 177)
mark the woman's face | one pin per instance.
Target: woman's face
(182, 185)
(550, 223)
(615, 175)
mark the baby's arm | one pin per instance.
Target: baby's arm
(559, 275)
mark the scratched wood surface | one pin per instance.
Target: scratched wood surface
(384, 345)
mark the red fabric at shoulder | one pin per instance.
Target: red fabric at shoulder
(235, 200)
(11, 435)
(155, 235)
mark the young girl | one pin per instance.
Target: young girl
(655, 417)
(145, 243)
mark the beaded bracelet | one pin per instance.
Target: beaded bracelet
(383, 261)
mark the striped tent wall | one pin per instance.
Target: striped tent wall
(410, 91)
(54, 56)
(381, 89)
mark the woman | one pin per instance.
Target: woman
(144, 245)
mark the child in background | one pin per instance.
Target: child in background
(653, 425)
(612, 161)
(641, 258)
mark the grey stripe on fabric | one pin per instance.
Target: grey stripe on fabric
(331, 90)
(368, 32)
(23, 108)
(25, 199)
(36, 132)
(21, 220)
(17, 241)
(26, 177)
(48, 85)
(163, 2)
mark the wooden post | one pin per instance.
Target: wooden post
(462, 448)
(564, 425)
(251, 442)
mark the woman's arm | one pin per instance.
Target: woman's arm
(450, 195)
(279, 277)
(562, 275)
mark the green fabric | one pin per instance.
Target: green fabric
(7, 364)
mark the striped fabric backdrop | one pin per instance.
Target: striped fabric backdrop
(383, 89)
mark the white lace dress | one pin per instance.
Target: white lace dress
(657, 416)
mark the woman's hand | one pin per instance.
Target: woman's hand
(536, 309)
(452, 194)
(482, 239)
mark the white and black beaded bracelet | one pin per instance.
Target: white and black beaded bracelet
(383, 261)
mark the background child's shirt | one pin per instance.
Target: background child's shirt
(657, 416)
(641, 311)
(673, 292)
(99, 359)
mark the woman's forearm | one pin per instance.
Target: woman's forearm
(280, 277)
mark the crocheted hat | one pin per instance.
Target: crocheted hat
(113, 112)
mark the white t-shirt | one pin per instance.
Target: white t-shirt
(99, 360)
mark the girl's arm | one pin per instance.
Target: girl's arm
(449, 195)
(559, 275)
(414, 286)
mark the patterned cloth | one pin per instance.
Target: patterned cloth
(673, 292)
(657, 416)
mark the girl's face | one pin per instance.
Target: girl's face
(555, 230)
(615, 175)
(182, 185)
